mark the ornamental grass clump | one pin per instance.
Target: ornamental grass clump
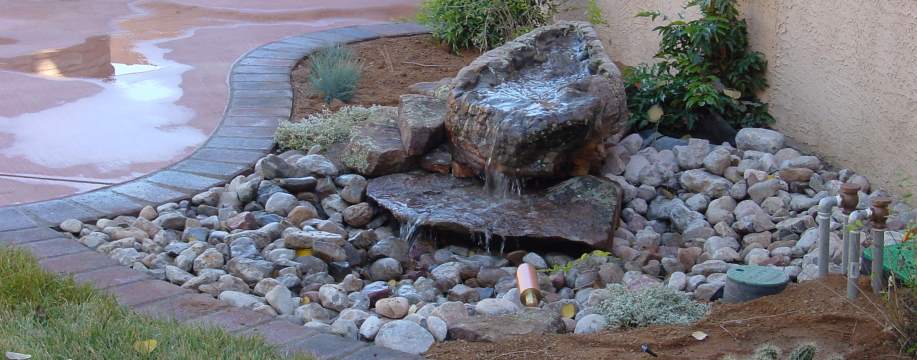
(334, 72)
(657, 305)
(323, 128)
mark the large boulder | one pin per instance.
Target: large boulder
(538, 106)
(581, 210)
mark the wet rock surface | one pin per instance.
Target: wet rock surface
(580, 210)
(536, 105)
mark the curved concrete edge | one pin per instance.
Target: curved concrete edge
(261, 95)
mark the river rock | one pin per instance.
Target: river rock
(405, 336)
(757, 139)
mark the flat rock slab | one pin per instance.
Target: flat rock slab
(581, 210)
(497, 328)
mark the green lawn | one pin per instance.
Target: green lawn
(51, 317)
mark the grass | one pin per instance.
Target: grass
(334, 72)
(51, 317)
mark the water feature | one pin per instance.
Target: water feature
(529, 118)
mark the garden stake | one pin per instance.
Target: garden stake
(879, 216)
(527, 280)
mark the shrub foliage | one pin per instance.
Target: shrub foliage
(334, 72)
(704, 71)
(324, 128)
(656, 305)
(483, 24)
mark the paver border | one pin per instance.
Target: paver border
(261, 95)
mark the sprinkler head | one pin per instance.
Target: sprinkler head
(849, 197)
(880, 211)
(646, 348)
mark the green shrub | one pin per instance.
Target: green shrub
(324, 128)
(483, 24)
(335, 72)
(656, 305)
(704, 72)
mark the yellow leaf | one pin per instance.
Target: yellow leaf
(305, 300)
(654, 113)
(303, 252)
(733, 93)
(568, 311)
(699, 335)
(145, 346)
(392, 283)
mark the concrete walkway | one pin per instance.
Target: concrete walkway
(98, 92)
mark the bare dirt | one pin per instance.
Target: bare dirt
(814, 311)
(390, 65)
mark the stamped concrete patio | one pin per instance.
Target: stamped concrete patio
(100, 92)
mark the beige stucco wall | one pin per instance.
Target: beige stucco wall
(842, 73)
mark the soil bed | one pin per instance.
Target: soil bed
(814, 311)
(390, 65)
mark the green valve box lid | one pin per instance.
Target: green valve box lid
(758, 275)
(899, 259)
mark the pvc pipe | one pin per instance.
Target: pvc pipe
(879, 217)
(878, 244)
(825, 206)
(853, 252)
(845, 261)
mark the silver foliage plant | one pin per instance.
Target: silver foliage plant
(656, 305)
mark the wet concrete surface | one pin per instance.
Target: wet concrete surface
(98, 92)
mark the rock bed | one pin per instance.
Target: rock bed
(297, 239)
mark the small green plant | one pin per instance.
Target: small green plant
(655, 305)
(704, 72)
(324, 128)
(483, 24)
(570, 264)
(766, 352)
(804, 352)
(594, 13)
(334, 72)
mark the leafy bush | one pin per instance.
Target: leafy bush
(324, 128)
(656, 305)
(704, 71)
(335, 72)
(483, 24)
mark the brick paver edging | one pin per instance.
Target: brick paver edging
(260, 97)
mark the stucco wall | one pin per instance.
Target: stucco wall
(842, 73)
